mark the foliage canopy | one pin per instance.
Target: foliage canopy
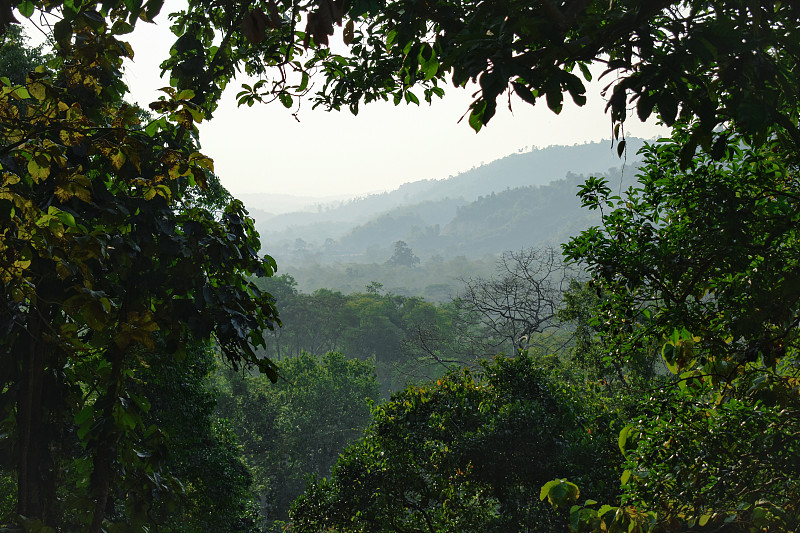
(104, 244)
(467, 453)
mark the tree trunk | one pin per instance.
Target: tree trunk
(105, 447)
(35, 476)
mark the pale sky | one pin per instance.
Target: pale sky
(263, 149)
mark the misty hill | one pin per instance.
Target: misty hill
(456, 227)
(467, 245)
(323, 219)
(537, 167)
(400, 223)
(519, 218)
(269, 205)
(546, 215)
(511, 219)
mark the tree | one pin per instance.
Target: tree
(16, 57)
(201, 451)
(93, 231)
(679, 59)
(675, 58)
(723, 74)
(708, 249)
(520, 302)
(299, 425)
(102, 247)
(703, 262)
(402, 256)
(366, 326)
(466, 453)
(516, 309)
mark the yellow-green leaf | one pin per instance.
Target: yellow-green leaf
(117, 158)
(38, 90)
(21, 93)
(39, 168)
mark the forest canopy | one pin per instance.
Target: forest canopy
(119, 246)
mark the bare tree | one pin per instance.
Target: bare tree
(516, 309)
(519, 302)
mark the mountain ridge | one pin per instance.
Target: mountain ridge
(536, 167)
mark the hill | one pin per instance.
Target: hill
(469, 218)
(325, 218)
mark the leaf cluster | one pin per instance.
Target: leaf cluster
(465, 453)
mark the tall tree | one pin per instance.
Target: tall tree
(298, 426)
(519, 302)
(707, 63)
(402, 255)
(468, 452)
(100, 249)
(17, 58)
(95, 255)
(703, 261)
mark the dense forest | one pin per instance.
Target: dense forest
(633, 368)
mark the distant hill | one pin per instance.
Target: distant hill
(401, 223)
(511, 219)
(457, 227)
(323, 219)
(537, 167)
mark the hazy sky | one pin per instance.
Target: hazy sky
(264, 149)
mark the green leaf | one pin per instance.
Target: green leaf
(134, 6)
(545, 490)
(524, 92)
(153, 128)
(587, 75)
(267, 367)
(21, 93)
(644, 107)
(197, 115)
(84, 415)
(626, 433)
(560, 493)
(121, 27)
(411, 98)
(303, 82)
(62, 32)
(38, 90)
(152, 8)
(95, 315)
(26, 8)
(66, 218)
(348, 33)
(117, 158)
(604, 509)
(555, 99)
(476, 115)
(667, 108)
